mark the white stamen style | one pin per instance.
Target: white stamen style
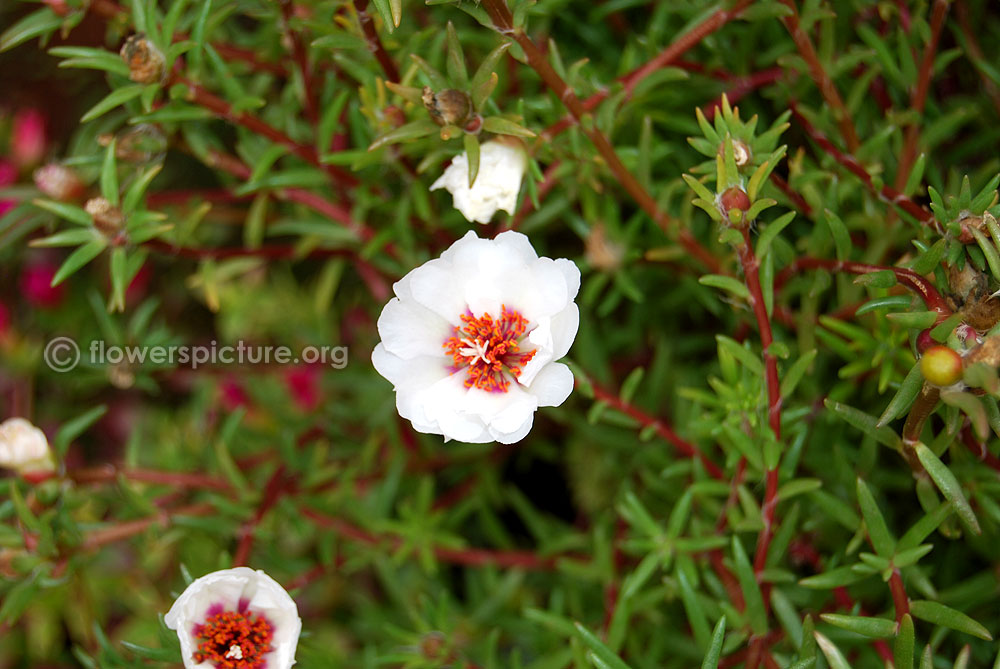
(235, 651)
(474, 350)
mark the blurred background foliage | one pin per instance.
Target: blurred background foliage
(271, 196)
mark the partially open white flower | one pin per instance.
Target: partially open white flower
(236, 619)
(501, 168)
(471, 339)
(23, 447)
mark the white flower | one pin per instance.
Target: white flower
(24, 447)
(238, 619)
(501, 168)
(471, 338)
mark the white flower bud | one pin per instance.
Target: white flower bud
(23, 447)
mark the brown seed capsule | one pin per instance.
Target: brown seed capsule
(107, 217)
(449, 107)
(58, 182)
(145, 62)
(601, 252)
(941, 366)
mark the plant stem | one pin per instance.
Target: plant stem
(918, 98)
(374, 43)
(820, 76)
(885, 193)
(222, 109)
(503, 22)
(930, 295)
(663, 429)
(301, 57)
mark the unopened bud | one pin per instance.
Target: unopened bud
(734, 203)
(107, 217)
(925, 341)
(449, 107)
(58, 182)
(145, 62)
(941, 366)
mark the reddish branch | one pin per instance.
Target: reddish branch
(668, 56)
(110, 472)
(276, 486)
(222, 109)
(820, 76)
(930, 295)
(471, 557)
(663, 429)
(899, 599)
(849, 162)
(374, 43)
(751, 275)
(301, 57)
(919, 95)
(106, 535)
(503, 22)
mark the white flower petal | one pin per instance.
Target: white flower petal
(501, 169)
(409, 329)
(436, 286)
(564, 327)
(552, 385)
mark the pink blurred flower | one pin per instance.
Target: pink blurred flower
(303, 386)
(27, 141)
(232, 395)
(4, 319)
(8, 176)
(36, 285)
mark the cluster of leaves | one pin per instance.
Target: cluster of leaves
(273, 181)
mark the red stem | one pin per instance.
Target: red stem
(919, 96)
(899, 599)
(222, 109)
(374, 43)
(752, 277)
(663, 429)
(820, 76)
(503, 21)
(931, 297)
(849, 162)
(301, 57)
(472, 557)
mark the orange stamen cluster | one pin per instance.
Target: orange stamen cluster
(233, 640)
(489, 350)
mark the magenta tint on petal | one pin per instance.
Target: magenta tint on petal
(4, 319)
(243, 604)
(213, 610)
(6, 205)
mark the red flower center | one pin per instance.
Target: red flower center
(489, 350)
(234, 640)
